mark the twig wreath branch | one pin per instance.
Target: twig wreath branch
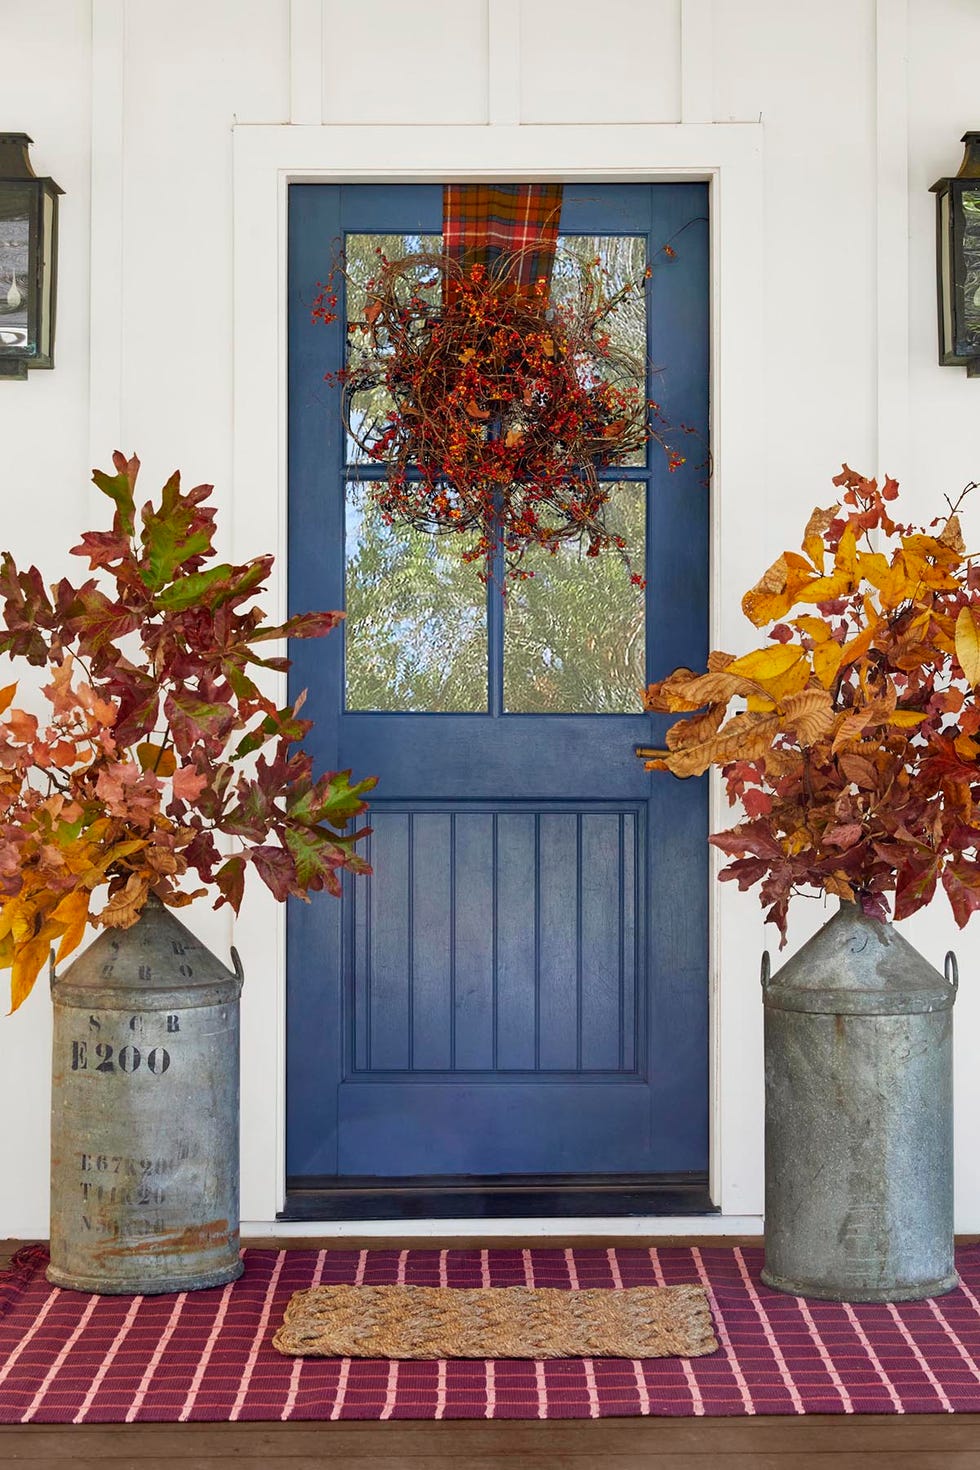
(499, 408)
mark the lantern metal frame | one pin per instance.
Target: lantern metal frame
(28, 243)
(958, 261)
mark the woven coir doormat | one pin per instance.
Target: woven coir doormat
(496, 1322)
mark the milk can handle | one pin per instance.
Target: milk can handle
(236, 961)
(766, 969)
(951, 970)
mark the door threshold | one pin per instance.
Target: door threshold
(499, 1197)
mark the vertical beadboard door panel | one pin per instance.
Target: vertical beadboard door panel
(520, 988)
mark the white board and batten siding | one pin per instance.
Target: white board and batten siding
(173, 129)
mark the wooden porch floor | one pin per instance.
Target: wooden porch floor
(871, 1442)
(813, 1442)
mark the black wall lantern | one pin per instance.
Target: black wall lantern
(28, 260)
(958, 261)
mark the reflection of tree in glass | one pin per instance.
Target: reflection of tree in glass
(574, 634)
(361, 262)
(416, 618)
(623, 258)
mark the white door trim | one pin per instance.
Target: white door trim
(729, 157)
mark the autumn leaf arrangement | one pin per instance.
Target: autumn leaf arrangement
(852, 739)
(160, 756)
(499, 407)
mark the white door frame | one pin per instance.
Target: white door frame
(729, 157)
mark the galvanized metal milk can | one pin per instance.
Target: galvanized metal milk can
(144, 1145)
(859, 1117)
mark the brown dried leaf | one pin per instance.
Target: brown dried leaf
(837, 884)
(813, 543)
(125, 907)
(952, 536)
(811, 713)
(746, 737)
(685, 733)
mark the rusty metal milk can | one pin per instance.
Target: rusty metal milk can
(859, 1117)
(144, 1127)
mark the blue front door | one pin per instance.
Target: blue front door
(521, 988)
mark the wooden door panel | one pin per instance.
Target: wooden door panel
(521, 987)
(496, 941)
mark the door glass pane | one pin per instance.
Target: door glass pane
(623, 259)
(416, 629)
(373, 406)
(574, 633)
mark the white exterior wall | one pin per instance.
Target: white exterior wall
(132, 106)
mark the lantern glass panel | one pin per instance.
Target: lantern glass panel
(967, 238)
(17, 327)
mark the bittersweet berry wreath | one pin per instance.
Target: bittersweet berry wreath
(501, 408)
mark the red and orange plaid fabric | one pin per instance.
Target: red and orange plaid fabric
(482, 222)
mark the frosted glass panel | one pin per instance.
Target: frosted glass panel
(416, 634)
(574, 634)
(624, 257)
(361, 251)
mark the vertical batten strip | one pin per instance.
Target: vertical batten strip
(369, 956)
(537, 941)
(621, 914)
(306, 61)
(410, 927)
(892, 236)
(494, 961)
(106, 280)
(503, 62)
(696, 62)
(579, 899)
(452, 942)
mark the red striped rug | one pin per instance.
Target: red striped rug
(208, 1355)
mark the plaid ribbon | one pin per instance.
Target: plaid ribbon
(482, 222)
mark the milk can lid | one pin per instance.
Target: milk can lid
(856, 965)
(155, 964)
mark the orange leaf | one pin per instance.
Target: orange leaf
(766, 663)
(776, 590)
(154, 758)
(29, 959)
(72, 912)
(826, 662)
(6, 695)
(968, 645)
(906, 719)
(22, 726)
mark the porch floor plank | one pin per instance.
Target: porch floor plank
(874, 1442)
(461, 1460)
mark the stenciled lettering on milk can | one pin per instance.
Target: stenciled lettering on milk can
(144, 1185)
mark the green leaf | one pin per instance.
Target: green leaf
(253, 575)
(171, 536)
(230, 879)
(194, 587)
(333, 800)
(283, 724)
(119, 489)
